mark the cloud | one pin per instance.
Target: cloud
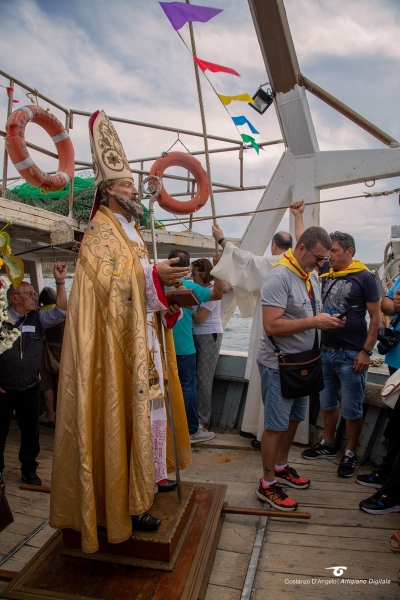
(125, 57)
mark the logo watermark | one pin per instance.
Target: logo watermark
(337, 572)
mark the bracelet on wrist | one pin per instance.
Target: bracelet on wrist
(366, 351)
(221, 240)
(60, 282)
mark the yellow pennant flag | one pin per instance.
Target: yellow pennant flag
(241, 98)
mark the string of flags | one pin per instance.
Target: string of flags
(180, 13)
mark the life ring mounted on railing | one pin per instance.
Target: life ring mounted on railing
(180, 159)
(20, 157)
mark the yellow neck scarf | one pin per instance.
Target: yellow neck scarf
(289, 261)
(355, 267)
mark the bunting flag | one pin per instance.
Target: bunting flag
(240, 98)
(204, 66)
(9, 90)
(180, 13)
(250, 140)
(242, 121)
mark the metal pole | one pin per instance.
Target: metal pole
(191, 215)
(348, 112)
(5, 159)
(170, 410)
(241, 166)
(203, 122)
(71, 183)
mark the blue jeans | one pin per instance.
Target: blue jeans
(339, 374)
(278, 411)
(187, 374)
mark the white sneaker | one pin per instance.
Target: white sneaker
(201, 435)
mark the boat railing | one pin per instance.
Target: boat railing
(138, 164)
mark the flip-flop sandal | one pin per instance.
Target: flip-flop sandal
(395, 538)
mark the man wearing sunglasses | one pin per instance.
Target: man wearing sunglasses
(346, 284)
(19, 369)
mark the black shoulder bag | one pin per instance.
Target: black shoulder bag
(300, 373)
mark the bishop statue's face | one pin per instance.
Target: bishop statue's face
(124, 192)
(125, 188)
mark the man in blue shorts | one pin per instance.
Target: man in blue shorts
(346, 352)
(287, 297)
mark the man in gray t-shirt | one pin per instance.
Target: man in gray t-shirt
(288, 317)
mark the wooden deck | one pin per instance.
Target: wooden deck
(337, 534)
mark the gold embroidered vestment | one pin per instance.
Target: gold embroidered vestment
(103, 468)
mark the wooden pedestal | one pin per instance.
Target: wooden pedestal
(52, 575)
(152, 549)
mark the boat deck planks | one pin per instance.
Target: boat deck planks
(337, 534)
(29, 509)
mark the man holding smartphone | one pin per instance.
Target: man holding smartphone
(348, 287)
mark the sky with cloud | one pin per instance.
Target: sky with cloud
(125, 57)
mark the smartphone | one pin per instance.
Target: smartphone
(346, 312)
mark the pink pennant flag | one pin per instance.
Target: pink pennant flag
(9, 90)
(204, 66)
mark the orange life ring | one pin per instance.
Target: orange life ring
(18, 152)
(180, 159)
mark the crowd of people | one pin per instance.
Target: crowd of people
(309, 301)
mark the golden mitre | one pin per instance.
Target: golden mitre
(109, 159)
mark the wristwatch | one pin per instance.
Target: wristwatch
(221, 240)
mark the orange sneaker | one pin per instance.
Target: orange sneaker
(276, 497)
(291, 478)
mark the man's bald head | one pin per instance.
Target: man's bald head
(281, 242)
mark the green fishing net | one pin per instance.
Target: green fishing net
(58, 202)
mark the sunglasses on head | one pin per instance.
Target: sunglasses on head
(339, 235)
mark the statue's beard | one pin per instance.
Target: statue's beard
(130, 206)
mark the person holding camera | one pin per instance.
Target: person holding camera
(386, 478)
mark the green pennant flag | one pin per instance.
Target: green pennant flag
(250, 140)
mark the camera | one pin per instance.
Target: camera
(387, 338)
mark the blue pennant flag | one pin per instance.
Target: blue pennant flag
(242, 121)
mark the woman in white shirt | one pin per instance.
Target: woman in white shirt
(207, 335)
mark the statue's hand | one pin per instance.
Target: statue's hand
(168, 273)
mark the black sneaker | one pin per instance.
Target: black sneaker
(374, 479)
(380, 504)
(347, 466)
(319, 451)
(31, 478)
